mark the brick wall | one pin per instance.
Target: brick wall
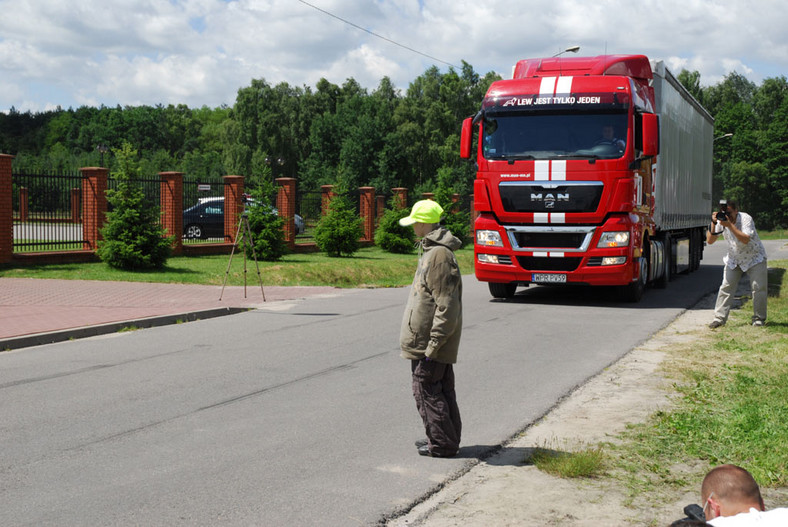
(171, 197)
(94, 204)
(6, 210)
(285, 204)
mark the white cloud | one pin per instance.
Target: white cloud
(200, 52)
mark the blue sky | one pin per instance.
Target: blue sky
(200, 52)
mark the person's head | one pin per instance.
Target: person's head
(425, 216)
(608, 132)
(728, 490)
(732, 210)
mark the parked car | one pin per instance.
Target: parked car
(206, 219)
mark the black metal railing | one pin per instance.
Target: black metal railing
(308, 206)
(203, 212)
(151, 189)
(46, 212)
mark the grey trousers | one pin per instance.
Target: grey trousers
(436, 401)
(730, 281)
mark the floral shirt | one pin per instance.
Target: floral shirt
(741, 254)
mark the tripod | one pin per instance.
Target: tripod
(248, 242)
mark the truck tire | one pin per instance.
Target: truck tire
(634, 292)
(662, 281)
(502, 290)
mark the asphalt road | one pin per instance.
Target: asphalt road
(297, 414)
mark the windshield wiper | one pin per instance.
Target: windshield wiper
(518, 157)
(578, 156)
(590, 157)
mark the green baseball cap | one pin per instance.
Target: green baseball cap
(424, 211)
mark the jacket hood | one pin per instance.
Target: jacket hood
(441, 236)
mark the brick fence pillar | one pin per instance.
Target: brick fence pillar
(75, 209)
(286, 203)
(94, 204)
(171, 203)
(6, 210)
(233, 205)
(381, 209)
(455, 200)
(366, 209)
(326, 195)
(428, 195)
(24, 204)
(400, 197)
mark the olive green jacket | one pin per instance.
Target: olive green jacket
(432, 323)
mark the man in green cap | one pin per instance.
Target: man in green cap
(431, 329)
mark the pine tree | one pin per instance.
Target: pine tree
(133, 238)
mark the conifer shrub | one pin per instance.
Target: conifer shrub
(338, 232)
(132, 238)
(266, 226)
(456, 220)
(393, 237)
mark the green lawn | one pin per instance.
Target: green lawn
(369, 267)
(731, 387)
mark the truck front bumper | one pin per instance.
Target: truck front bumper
(577, 269)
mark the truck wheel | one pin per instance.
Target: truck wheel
(502, 290)
(662, 281)
(634, 292)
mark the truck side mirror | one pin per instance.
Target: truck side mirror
(650, 134)
(466, 139)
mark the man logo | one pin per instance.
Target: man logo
(549, 199)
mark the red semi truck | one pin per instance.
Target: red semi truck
(591, 171)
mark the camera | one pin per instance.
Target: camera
(722, 214)
(694, 515)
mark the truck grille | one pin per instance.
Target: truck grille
(553, 240)
(567, 196)
(539, 263)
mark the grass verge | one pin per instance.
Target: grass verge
(582, 462)
(731, 406)
(369, 267)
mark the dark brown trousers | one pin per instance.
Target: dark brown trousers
(436, 401)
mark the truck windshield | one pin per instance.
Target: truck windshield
(553, 135)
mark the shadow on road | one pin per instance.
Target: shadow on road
(681, 288)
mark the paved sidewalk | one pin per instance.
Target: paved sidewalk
(36, 311)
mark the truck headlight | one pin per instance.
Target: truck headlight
(613, 239)
(489, 238)
(488, 258)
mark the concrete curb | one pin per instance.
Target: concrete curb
(38, 339)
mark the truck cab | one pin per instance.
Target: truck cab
(565, 187)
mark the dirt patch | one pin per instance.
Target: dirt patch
(504, 490)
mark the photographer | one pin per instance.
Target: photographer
(746, 254)
(731, 497)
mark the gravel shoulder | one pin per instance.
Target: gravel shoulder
(503, 490)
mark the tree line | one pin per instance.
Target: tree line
(351, 136)
(328, 134)
(750, 164)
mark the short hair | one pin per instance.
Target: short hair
(731, 484)
(732, 204)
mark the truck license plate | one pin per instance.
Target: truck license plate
(548, 278)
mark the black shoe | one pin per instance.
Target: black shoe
(716, 324)
(421, 442)
(425, 451)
